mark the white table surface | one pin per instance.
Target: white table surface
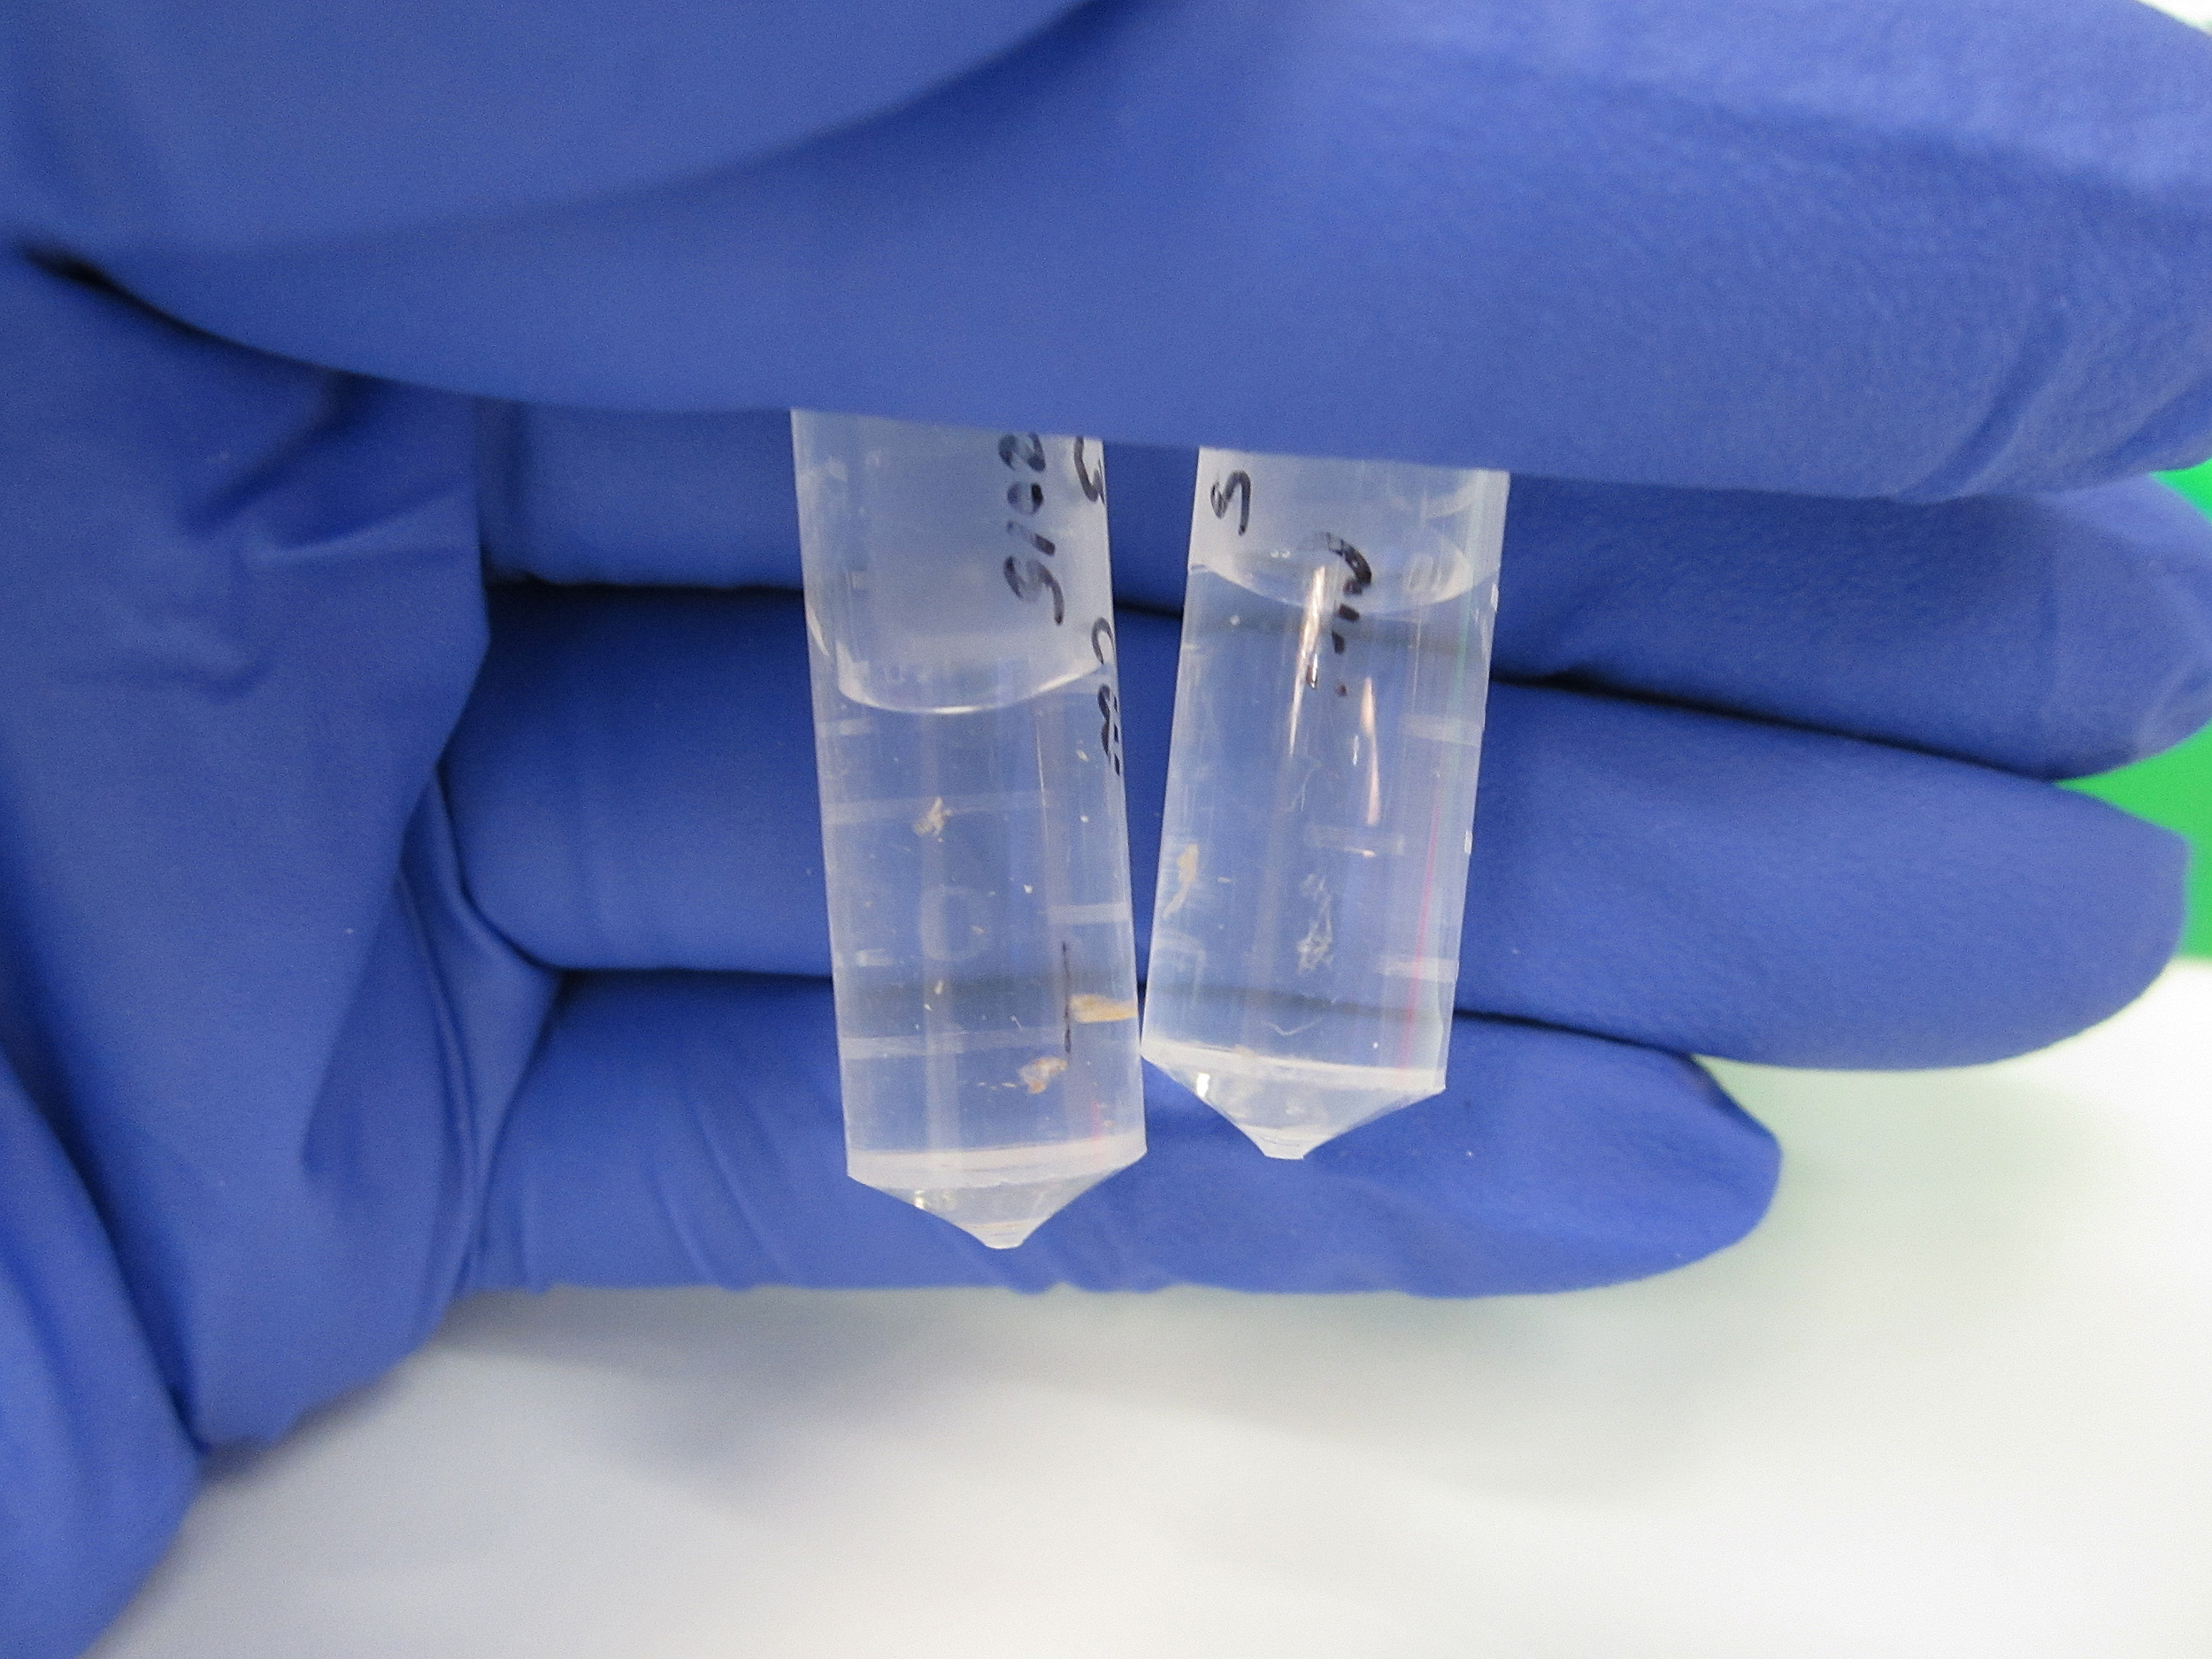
(1951, 1400)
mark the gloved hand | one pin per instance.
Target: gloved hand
(324, 997)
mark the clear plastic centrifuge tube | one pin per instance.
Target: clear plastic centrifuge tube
(1321, 789)
(968, 741)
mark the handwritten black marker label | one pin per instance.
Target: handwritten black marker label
(1029, 578)
(1236, 484)
(1091, 484)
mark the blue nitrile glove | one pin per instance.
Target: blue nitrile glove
(304, 1033)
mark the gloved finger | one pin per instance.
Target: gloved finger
(680, 1128)
(98, 1467)
(633, 787)
(246, 122)
(2055, 635)
(243, 609)
(1711, 243)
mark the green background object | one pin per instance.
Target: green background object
(2175, 788)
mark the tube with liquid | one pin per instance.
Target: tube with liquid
(1321, 789)
(974, 845)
